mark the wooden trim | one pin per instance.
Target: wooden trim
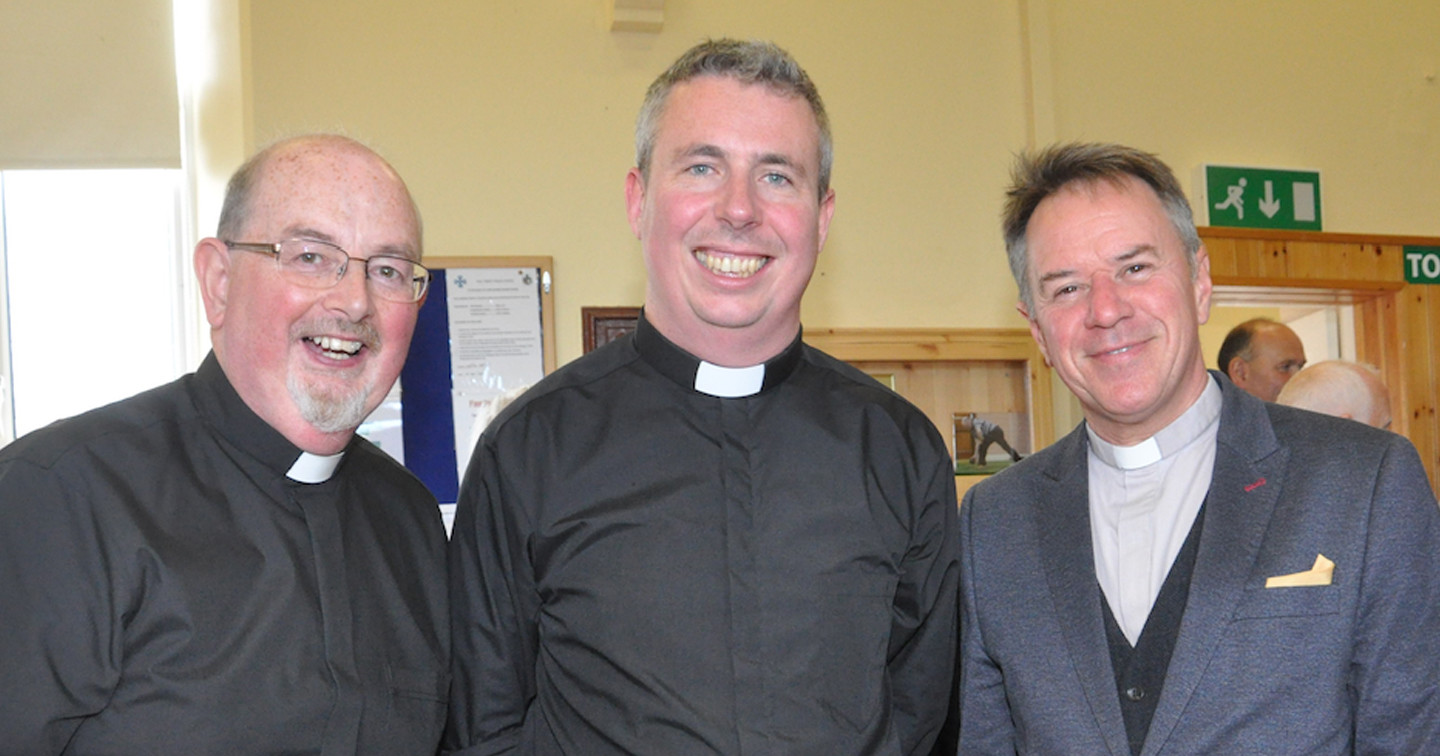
(1324, 237)
(950, 345)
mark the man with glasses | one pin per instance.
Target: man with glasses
(220, 565)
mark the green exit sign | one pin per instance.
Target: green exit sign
(1422, 265)
(1262, 198)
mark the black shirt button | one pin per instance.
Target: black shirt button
(1135, 693)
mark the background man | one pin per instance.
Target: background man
(1340, 388)
(219, 565)
(1260, 355)
(1191, 570)
(707, 537)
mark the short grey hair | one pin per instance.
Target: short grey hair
(749, 62)
(1037, 176)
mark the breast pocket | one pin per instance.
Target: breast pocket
(418, 700)
(854, 617)
(1300, 601)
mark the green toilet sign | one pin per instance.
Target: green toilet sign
(1422, 265)
(1262, 198)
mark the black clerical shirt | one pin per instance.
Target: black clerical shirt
(639, 567)
(165, 589)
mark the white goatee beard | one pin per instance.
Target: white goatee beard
(329, 412)
(333, 411)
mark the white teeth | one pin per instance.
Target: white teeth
(725, 265)
(336, 348)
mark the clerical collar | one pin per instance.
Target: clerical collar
(314, 468)
(1170, 439)
(228, 415)
(707, 378)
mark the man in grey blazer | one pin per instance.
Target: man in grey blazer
(1192, 570)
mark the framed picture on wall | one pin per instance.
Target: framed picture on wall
(988, 442)
(602, 325)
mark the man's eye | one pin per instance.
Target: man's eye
(310, 258)
(701, 170)
(385, 272)
(776, 179)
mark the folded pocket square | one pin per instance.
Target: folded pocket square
(1320, 574)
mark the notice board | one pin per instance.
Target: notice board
(485, 331)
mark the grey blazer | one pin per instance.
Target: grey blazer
(1347, 668)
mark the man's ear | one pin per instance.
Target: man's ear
(212, 269)
(827, 211)
(1239, 372)
(1035, 331)
(634, 199)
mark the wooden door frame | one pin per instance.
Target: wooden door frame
(1397, 324)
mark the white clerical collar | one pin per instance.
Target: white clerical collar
(1170, 439)
(313, 468)
(729, 383)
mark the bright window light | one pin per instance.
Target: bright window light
(92, 283)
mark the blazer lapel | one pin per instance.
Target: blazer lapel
(1067, 557)
(1249, 466)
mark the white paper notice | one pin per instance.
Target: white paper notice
(495, 341)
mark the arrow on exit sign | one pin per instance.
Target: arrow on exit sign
(1239, 197)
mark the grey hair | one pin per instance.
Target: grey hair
(749, 62)
(1037, 176)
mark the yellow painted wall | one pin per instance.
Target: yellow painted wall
(512, 120)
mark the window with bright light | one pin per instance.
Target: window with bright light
(92, 287)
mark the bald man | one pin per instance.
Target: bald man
(221, 565)
(1260, 355)
(1340, 388)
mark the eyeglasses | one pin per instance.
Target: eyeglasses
(321, 265)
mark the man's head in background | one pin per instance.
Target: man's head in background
(1260, 355)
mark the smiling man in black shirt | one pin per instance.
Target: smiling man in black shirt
(219, 565)
(708, 537)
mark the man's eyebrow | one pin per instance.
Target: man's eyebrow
(785, 161)
(307, 232)
(1138, 250)
(768, 158)
(391, 250)
(1055, 276)
(702, 150)
(1123, 257)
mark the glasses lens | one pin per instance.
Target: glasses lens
(310, 263)
(396, 278)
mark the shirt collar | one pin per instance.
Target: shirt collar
(314, 468)
(229, 417)
(708, 378)
(1191, 424)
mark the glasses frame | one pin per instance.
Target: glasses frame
(420, 284)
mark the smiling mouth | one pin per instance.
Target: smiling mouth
(731, 265)
(336, 349)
